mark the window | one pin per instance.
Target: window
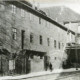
(59, 45)
(22, 38)
(39, 20)
(62, 45)
(46, 23)
(13, 9)
(30, 15)
(14, 33)
(2, 7)
(22, 12)
(48, 41)
(55, 58)
(40, 39)
(31, 37)
(36, 8)
(54, 43)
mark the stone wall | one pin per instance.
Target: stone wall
(11, 20)
(30, 24)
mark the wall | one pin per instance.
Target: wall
(74, 27)
(37, 64)
(46, 29)
(29, 23)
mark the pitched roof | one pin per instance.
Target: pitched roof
(62, 14)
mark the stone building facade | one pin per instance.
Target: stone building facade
(33, 39)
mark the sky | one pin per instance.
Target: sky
(73, 4)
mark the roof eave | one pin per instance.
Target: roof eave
(26, 7)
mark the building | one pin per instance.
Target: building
(31, 38)
(64, 16)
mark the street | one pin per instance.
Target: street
(58, 76)
(62, 74)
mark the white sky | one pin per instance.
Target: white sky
(73, 4)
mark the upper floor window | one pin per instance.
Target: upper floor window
(22, 38)
(54, 43)
(14, 33)
(31, 37)
(62, 45)
(22, 13)
(30, 15)
(36, 8)
(40, 37)
(2, 7)
(39, 20)
(46, 23)
(13, 9)
(59, 45)
(48, 41)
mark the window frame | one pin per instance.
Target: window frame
(48, 41)
(14, 33)
(39, 20)
(30, 16)
(55, 43)
(40, 39)
(13, 9)
(22, 13)
(31, 37)
(59, 45)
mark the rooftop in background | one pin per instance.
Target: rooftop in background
(58, 13)
(62, 14)
(39, 13)
(72, 4)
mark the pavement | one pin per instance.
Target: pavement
(35, 74)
